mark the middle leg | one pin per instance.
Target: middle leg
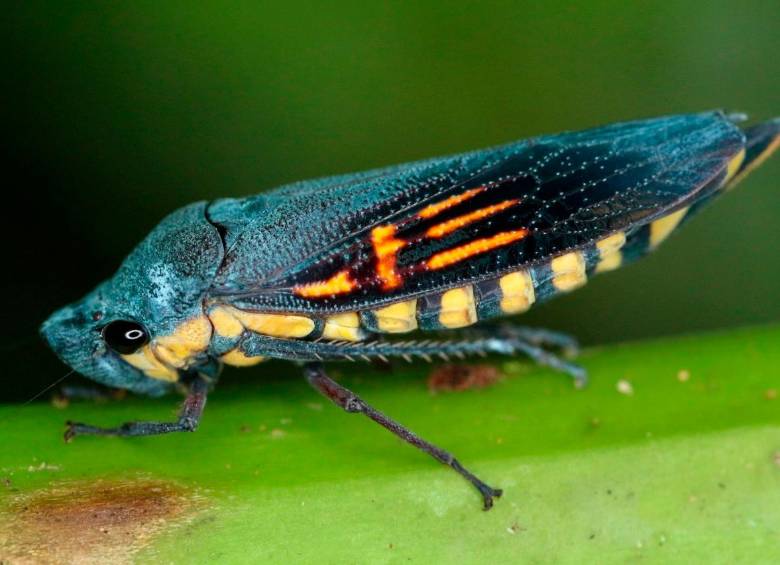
(351, 402)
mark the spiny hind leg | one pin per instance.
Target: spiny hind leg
(504, 340)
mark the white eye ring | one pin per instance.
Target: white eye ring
(133, 335)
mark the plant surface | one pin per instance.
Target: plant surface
(672, 454)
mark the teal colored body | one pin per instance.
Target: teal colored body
(314, 250)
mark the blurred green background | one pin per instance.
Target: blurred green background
(117, 113)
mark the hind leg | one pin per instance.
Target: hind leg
(504, 340)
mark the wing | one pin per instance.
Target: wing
(385, 236)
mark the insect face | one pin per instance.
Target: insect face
(92, 348)
(140, 329)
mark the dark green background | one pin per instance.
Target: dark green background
(116, 114)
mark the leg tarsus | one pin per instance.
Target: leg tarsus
(352, 403)
(542, 357)
(189, 418)
(541, 337)
(488, 493)
(526, 340)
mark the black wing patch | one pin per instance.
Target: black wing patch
(483, 214)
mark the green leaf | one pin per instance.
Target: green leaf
(680, 461)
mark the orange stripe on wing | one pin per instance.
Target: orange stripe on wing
(444, 228)
(386, 247)
(340, 283)
(476, 247)
(439, 207)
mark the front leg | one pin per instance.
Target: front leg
(351, 402)
(189, 418)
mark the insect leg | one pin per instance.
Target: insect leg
(544, 338)
(505, 340)
(352, 403)
(529, 341)
(543, 357)
(189, 417)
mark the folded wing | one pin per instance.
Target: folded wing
(385, 236)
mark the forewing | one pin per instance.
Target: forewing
(388, 235)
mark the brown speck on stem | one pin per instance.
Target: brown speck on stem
(456, 377)
(90, 521)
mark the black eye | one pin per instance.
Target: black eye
(125, 336)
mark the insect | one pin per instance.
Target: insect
(339, 268)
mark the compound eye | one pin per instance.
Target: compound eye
(125, 336)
